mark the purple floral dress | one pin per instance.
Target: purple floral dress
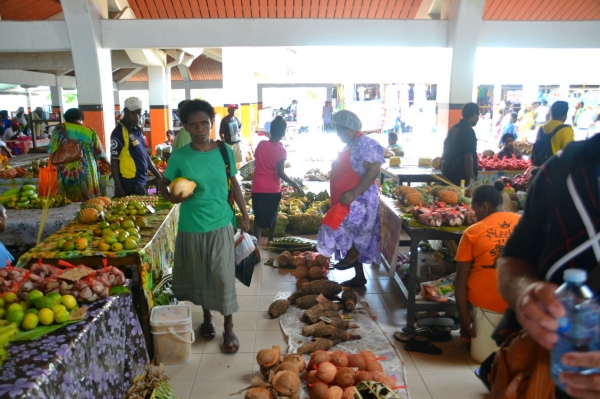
(362, 226)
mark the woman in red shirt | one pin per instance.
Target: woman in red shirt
(269, 161)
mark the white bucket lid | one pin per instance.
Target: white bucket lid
(171, 315)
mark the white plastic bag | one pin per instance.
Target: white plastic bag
(244, 246)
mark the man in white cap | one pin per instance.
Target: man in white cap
(130, 161)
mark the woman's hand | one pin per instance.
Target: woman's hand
(538, 310)
(466, 327)
(177, 199)
(348, 197)
(297, 189)
(245, 226)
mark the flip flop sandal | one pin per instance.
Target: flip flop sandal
(422, 331)
(426, 347)
(208, 330)
(233, 340)
(345, 266)
(408, 338)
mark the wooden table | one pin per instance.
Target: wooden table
(416, 234)
(409, 172)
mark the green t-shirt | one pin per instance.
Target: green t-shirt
(207, 209)
(181, 140)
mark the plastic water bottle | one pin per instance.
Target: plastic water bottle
(578, 329)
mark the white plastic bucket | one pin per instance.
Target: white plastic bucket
(484, 323)
(171, 328)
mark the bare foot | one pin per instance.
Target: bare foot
(231, 344)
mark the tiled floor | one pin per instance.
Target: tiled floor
(212, 374)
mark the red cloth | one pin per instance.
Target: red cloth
(343, 178)
(266, 180)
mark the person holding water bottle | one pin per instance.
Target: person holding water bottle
(558, 233)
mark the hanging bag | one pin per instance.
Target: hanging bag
(69, 151)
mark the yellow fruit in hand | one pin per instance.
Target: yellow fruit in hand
(30, 321)
(46, 316)
(69, 302)
(61, 317)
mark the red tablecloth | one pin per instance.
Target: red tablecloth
(25, 146)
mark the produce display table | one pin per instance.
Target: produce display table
(417, 233)
(23, 147)
(153, 258)
(23, 225)
(96, 358)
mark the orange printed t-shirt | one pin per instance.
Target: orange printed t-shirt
(482, 243)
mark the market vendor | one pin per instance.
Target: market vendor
(459, 158)
(204, 269)
(476, 278)
(130, 161)
(508, 140)
(351, 227)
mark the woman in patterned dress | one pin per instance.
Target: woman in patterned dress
(352, 228)
(78, 180)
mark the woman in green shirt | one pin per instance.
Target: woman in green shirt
(204, 271)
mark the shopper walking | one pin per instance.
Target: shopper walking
(352, 228)
(554, 132)
(459, 157)
(231, 132)
(78, 180)
(269, 170)
(204, 270)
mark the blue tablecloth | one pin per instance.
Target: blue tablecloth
(96, 358)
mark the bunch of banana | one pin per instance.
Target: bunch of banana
(22, 199)
(8, 330)
(8, 195)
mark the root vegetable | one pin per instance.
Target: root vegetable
(286, 383)
(283, 260)
(357, 361)
(297, 360)
(315, 272)
(326, 287)
(300, 272)
(337, 322)
(307, 301)
(318, 391)
(330, 314)
(301, 281)
(339, 359)
(268, 357)
(258, 393)
(335, 392)
(344, 377)
(314, 345)
(349, 299)
(312, 314)
(362, 376)
(349, 393)
(374, 365)
(278, 308)
(311, 376)
(319, 357)
(330, 332)
(326, 372)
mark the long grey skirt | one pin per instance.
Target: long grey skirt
(204, 271)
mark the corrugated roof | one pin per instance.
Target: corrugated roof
(338, 9)
(542, 10)
(203, 68)
(28, 10)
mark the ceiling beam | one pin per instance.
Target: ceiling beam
(34, 36)
(185, 72)
(175, 85)
(124, 74)
(56, 61)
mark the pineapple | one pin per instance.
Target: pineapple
(105, 200)
(88, 215)
(449, 197)
(95, 206)
(413, 198)
(401, 190)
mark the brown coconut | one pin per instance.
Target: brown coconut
(286, 383)
(311, 376)
(357, 361)
(258, 393)
(334, 392)
(300, 260)
(268, 357)
(319, 357)
(326, 372)
(301, 281)
(349, 393)
(283, 260)
(298, 360)
(368, 355)
(287, 366)
(315, 273)
(384, 379)
(362, 376)
(344, 377)
(296, 253)
(321, 260)
(318, 391)
(301, 272)
(374, 365)
(288, 253)
(339, 359)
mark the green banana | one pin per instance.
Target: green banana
(4, 323)
(12, 191)
(27, 193)
(22, 204)
(28, 187)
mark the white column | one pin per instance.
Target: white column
(92, 64)
(188, 92)
(56, 95)
(159, 83)
(530, 93)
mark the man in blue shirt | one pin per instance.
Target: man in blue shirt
(6, 122)
(130, 161)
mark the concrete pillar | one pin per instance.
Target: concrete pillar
(564, 92)
(117, 104)
(56, 95)
(29, 102)
(92, 63)
(159, 83)
(239, 85)
(530, 93)
(464, 21)
(188, 93)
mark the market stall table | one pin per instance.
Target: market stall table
(23, 225)
(410, 173)
(153, 259)
(96, 358)
(20, 147)
(392, 219)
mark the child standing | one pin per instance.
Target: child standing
(269, 164)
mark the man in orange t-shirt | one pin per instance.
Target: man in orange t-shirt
(480, 247)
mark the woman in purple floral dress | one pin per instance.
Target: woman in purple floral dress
(352, 228)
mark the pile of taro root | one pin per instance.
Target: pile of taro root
(47, 279)
(453, 217)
